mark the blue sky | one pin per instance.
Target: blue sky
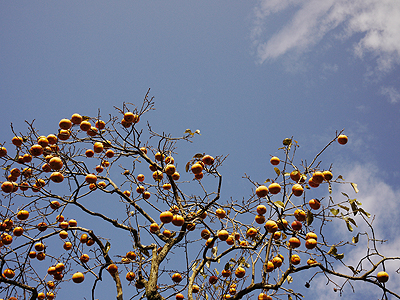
(246, 73)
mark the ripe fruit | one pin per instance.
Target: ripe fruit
(295, 259)
(85, 126)
(63, 234)
(67, 246)
(314, 204)
(7, 187)
(282, 224)
(300, 215)
(39, 246)
(240, 272)
(277, 235)
(179, 296)
(167, 233)
(140, 177)
(55, 204)
(84, 258)
(169, 169)
(176, 176)
(52, 139)
(56, 163)
(56, 177)
(261, 209)
(382, 276)
(65, 124)
(297, 225)
(342, 139)
(92, 131)
(210, 243)
(251, 232)
(32, 254)
(213, 279)
(270, 266)
(72, 223)
(197, 168)
(64, 135)
(271, 226)
(311, 243)
(42, 226)
(166, 217)
(220, 213)
(176, 277)
(140, 189)
(100, 124)
(277, 261)
(3, 151)
(318, 177)
(158, 175)
(146, 195)
(22, 215)
(178, 220)
(327, 175)
(89, 153)
(76, 118)
(98, 147)
(263, 296)
(274, 188)
(8, 273)
(311, 261)
(262, 191)
(275, 161)
(294, 242)
(91, 178)
(41, 256)
(208, 160)
(130, 117)
(297, 190)
(17, 141)
(18, 231)
(312, 183)
(112, 269)
(311, 235)
(195, 289)
(226, 273)
(205, 234)
(223, 235)
(130, 276)
(154, 228)
(167, 186)
(131, 255)
(260, 219)
(78, 277)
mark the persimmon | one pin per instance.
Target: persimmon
(130, 117)
(32, 254)
(297, 190)
(157, 175)
(240, 272)
(382, 276)
(27, 172)
(84, 258)
(65, 124)
(130, 276)
(146, 195)
(43, 141)
(8, 273)
(314, 204)
(166, 217)
(269, 267)
(223, 235)
(46, 168)
(55, 204)
(57, 177)
(52, 139)
(60, 267)
(294, 242)
(64, 135)
(282, 224)
(311, 243)
(277, 261)
(98, 147)
(205, 234)
(274, 188)
(100, 124)
(311, 261)
(39, 246)
(210, 243)
(3, 151)
(312, 184)
(72, 223)
(42, 226)
(277, 235)
(300, 215)
(261, 209)
(91, 178)
(154, 227)
(327, 175)
(7, 187)
(176, 277)
(199, 176)
(196, 168)
(41, 256)
(179, 296)
(220, 213)
(85, 125)
(296, 225)
(166, 186)
(226, 273)
(342, 139)
(271, 226)
(178, 220)
(24, 186)
(23, 215)
(201, 214)
(63, 234)
(41, 296)
(89, 153)
(263, 296)
(208, 160)
(78, 277)
(67, 246)
(110, 153)
(50, 296)
(17, 141)
(213, 279)
(131, 255)
(251, 232)
(318, 177)
(311, 235)
(261, 191)
(56, 163)
(63, 225)
(112, 269)
(275, 161)
(295, 259)
(176, 176)
(195, 289)
(260, 219)
(6, 239)
(18, 231)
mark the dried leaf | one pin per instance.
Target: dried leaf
(334, 211)
(345, 195)
(344, 207)
(332, 250)
(349, 226)
(340, 177)
(354, 240)
(198, 155)
(354, 207)
(279, 204)
(354, 185)
(187, 166)
(197, 131)
(277, 171)
(310, 217)
(289, 279)
(227, 266)
(364, 212)
(330, 188)
(339, 256)
(352, 221)
(267, 180)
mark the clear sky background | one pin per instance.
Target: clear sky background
(246, 73)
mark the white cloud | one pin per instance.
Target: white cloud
(377, 22)
(392, 93)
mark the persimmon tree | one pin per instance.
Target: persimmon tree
(186, 241)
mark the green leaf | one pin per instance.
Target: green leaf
(334, 211)
(277, 171)
(354, 185)
(279, 204)
(310, 217)
(344, 207)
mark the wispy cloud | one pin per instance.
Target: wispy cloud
(392, 93)
(376, 21)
